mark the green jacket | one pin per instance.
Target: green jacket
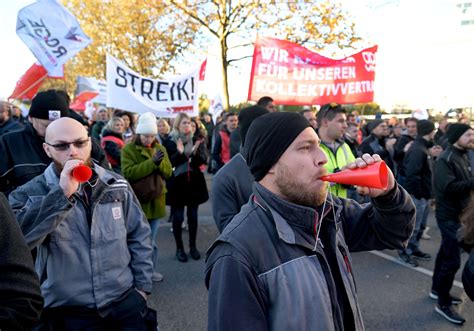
(137, 163)
(337, 161)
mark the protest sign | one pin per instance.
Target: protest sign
(127, 90)
(51, 32)
(293, 75)
(91, 84)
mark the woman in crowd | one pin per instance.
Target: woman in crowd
(187, 187)
(467, 221)
(112, 142)
(163, 129)
(145, 164)
(129, 131)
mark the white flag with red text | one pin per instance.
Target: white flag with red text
(51, 32)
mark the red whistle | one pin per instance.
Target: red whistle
(374, 175)
(82, 173)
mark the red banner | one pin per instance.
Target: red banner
(293, 75)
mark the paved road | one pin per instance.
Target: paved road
(392, 296)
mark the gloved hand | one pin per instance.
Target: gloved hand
(158, 157)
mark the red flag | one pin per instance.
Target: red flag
(294, 75)
(79, 102)
(202, 70)
(29, 83)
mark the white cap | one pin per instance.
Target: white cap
(147, 124)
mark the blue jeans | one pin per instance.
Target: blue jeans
(154, 225)
(422, 209)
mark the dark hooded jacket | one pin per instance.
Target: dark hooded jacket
(20, 297)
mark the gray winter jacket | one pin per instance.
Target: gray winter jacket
(90, 250)
(266, 271)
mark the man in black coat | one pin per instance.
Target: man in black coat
(20, 297)
(418, 183)
(22, 156)
(7, 123)
(453, 183)
(378, 142)
(403, 145)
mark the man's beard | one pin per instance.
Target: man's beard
(298, 192)
(59, 167)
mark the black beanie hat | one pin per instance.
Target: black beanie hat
(424, 127)
(49, 105)
(455, 131)
(267, 139)
(246, 117)
(373, 124)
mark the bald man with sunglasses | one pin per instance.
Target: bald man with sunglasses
(93, 240)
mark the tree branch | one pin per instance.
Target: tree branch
(238, 59)
(194, 17)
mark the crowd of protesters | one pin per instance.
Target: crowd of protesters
(141, 164)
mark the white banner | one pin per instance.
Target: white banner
(92, 84)
(215, 107)
(127, 90)
(51, 32)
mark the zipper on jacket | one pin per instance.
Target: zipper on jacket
(331, 287)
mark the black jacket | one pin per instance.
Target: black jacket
(441, 139)
(266, 271)
(375, 145)
(187, 186)
(452, 183)
(399, 154)
(231, 189)
(22, 158)
(9, 126)
(20, 297)
(418, 170)
(235, 142)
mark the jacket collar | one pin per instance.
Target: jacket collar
(31, 130)
(146, 151)
(425, 142)
(294, 223)
(457, 150)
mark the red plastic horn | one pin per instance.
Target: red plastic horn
(82, 173)
(374, 175)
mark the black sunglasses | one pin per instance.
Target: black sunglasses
(326, 109)
(65, 146)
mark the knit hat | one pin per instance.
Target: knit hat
(147, 124)
(49, 105)
(424, 127)
(455, 131)
(373, 124)
(246, 117)
(267, 139)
